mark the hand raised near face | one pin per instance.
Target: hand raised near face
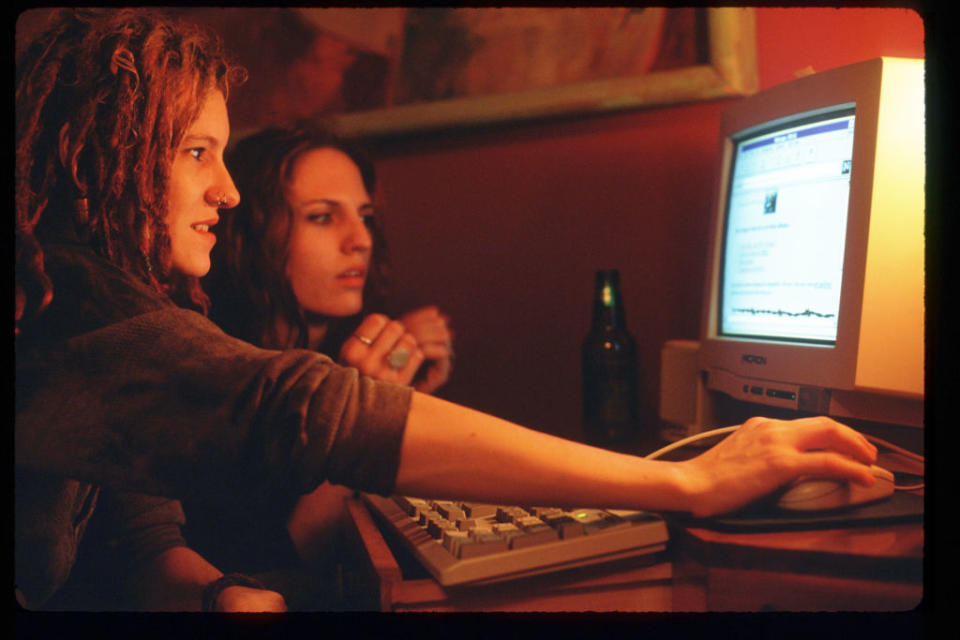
(431, 329)
(383, 349)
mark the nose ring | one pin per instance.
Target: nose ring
(221, 201)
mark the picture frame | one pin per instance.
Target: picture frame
(731, 71)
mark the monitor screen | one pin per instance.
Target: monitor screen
(814, 291)
(785, 232)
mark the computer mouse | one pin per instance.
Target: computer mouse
(823, 494)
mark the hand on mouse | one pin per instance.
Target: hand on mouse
(764, 454)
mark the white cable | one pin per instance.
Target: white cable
(715, 432)
(916, 457)
(909, 454)
(689, 439)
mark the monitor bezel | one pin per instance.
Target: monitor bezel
(832, 365)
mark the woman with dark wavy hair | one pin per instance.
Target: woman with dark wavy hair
(304, 255)
(297, 265)
(120, 180)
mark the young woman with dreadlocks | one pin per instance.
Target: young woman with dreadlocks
(93, 169)
(121, 126)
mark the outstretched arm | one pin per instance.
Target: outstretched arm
(451, 451)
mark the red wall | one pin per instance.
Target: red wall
(503, 228)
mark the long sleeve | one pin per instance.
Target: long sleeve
(127, 391)
(118, 388)
(165, 402)
(126, 533)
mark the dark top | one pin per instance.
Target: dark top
(116, 387)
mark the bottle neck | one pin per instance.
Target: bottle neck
(608, 304)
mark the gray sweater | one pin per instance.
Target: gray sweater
(117, 387)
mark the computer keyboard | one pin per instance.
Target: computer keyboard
(470, 543)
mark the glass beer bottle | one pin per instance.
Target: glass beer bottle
(609, 368)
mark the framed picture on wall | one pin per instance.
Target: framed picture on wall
(398, 70)
(462, 67)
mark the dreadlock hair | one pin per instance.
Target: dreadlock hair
(103, 98)
(248, 285)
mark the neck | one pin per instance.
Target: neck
(315, 335)
(283, 333)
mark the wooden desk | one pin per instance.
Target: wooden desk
(866, 569)
(863, 569)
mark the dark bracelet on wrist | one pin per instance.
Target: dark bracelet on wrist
(212, 591)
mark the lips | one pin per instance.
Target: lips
(205, 225)
(354, 277)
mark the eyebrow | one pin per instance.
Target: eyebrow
(199, 137)
(336, 203)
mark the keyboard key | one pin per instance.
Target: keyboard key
(450, 511)
(534, 535)
(587, 516)
(540, 512)
(437, 526)
(509, 514)
(452, 538)
(411, 506)
(565, 525)
(635, 516)
(467, 524)
(607, 523)
(527, 521)
(481, 545)
(478, 510)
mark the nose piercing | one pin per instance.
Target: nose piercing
(221, 201)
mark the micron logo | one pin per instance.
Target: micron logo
(752, 359)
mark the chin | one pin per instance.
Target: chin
(197, 269)
(345, 311)
(342, 310)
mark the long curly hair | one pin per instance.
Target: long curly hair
(103, 98)
(247, 283)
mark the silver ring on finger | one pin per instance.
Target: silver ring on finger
(398, 358)
(364, 340)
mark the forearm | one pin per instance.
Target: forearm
(176, 579)
(452, 451)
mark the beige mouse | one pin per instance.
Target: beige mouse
(822, 494)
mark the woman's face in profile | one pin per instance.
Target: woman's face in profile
(199, 186)
(328, 255)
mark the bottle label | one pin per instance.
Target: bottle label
(615, 401)
(610, 403)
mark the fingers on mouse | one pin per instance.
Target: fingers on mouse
(824, 494)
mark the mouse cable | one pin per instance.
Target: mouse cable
(723, 430)
(690, 439)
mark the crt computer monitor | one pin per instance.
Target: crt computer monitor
(814, 289)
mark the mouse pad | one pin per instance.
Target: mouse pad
(898, 508)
